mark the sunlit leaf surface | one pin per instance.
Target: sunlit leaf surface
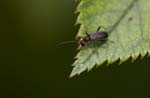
(127, 23)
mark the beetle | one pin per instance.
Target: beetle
(97, 36)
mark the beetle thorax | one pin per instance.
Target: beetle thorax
(82, 42)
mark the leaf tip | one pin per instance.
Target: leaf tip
(73, 73)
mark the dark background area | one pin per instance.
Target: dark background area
(32, 66)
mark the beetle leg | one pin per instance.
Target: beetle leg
(87, 34)
(98, 28)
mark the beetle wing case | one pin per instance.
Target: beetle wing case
(98, 36)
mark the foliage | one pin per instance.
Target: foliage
(127, 23)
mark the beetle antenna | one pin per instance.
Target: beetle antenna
(66, 42)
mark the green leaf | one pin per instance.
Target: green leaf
(128, 26)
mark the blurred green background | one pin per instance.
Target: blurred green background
(32, 66)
